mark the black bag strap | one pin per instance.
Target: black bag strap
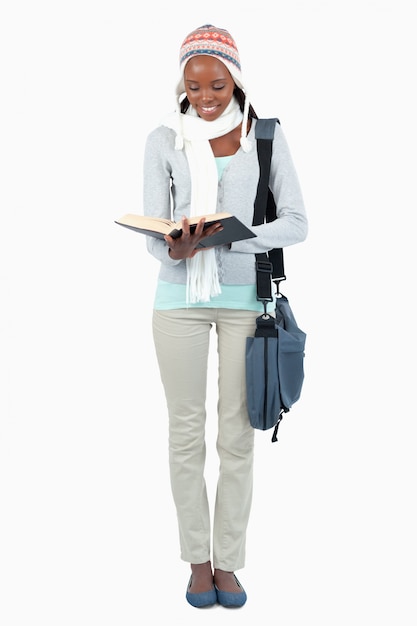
(269, 265)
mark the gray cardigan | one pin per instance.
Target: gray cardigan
(167, 192)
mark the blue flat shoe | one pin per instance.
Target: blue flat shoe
(199, 600)
(231, 599)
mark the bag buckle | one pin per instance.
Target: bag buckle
(265, 267)
(264, 271)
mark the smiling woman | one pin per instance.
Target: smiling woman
(201, 160)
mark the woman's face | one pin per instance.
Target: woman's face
(209, 86)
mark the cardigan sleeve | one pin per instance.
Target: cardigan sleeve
(291, 227)
(157, 190)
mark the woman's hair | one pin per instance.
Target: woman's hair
(239, 95)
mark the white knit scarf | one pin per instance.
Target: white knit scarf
(193, 134)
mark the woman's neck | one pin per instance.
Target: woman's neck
(229, 144)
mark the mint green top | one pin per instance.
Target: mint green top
(172, 296)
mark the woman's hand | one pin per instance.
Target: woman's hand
(186, 246)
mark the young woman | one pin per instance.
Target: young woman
(201, 160)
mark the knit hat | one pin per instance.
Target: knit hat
(210, 41)
(216, 42)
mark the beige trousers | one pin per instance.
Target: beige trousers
(182, 346)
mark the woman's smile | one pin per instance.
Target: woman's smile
(207, 111)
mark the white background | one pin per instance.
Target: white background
(87, 528)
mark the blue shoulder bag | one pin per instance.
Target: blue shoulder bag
(275, 355)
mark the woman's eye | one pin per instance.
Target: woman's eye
(215, 88)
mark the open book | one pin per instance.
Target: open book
(233, 229)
